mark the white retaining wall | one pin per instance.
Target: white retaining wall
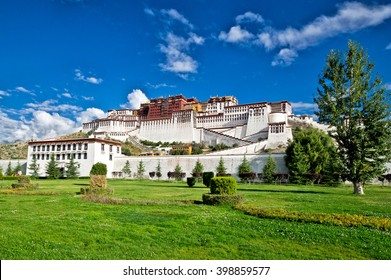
(210, 162)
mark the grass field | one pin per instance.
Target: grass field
(160, 221)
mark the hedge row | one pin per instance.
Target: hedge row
(346, 220)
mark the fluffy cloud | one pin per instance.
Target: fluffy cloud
(92, 80)
(89, 115)
(135, 98)
(4, 93)
(148, 11)
(388, 46)
(176, 50)
(388, 86)
(22, 89)
(350, 17)
(41, 124)
(235, 35)
(249, 17)
(285, 57)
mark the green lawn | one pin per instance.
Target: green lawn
(162, 222)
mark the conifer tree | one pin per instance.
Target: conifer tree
(245, 166)
(52, 169)
(140, 170)
(269, 170)
(18, 168)
(356, 105)
(158, 170)
(198, 169)
(312, 156)
(34, 168)
(9, 171)
(72, 169)
(221, 169)
(126, 169)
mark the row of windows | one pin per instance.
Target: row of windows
(110, 148)
(59, 147)
(279, 128)
(60, 156)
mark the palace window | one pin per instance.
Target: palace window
(86, 146)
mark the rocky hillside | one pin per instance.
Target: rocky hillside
(13, 151)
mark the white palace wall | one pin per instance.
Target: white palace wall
(210, 162)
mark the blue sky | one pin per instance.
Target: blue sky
(65, 62)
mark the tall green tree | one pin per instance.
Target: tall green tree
(158, 170)
(356, 105)
(126, 169)
(221, 169)
(52, 169)
(18, 168)
(140, 170)
(9, 170)
(34, 167)
(198, 169)
(269, 170)
(72, 169)
(312, 156)
(244, 166)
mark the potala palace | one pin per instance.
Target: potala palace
(250, 128)
(181, 119)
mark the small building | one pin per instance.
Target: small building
(85, 152)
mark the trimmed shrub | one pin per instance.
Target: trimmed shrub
(24, 183)
(206, 177)
(10, 178)
(223, 185)
(99, 169)
(220, 199)
(191, 181)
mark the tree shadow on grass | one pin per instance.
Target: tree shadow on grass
(80, 184)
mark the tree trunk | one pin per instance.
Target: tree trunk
(358, 188)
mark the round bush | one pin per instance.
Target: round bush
(223, 185)
(99, 169)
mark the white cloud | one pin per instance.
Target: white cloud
(135, 98)
(51, 106)
(91, 80)
(302, 106)
(249, 17)
(176, 50)
(350, 17)
(89, 115)
(148, 11)
(22, 89)
(285, 57)
(388, 46)
(175, 15)
(4, 93)
(41, 124)
(159, 85)
(388, 86)
(67, 95)
(236, 35)
(88, 98)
